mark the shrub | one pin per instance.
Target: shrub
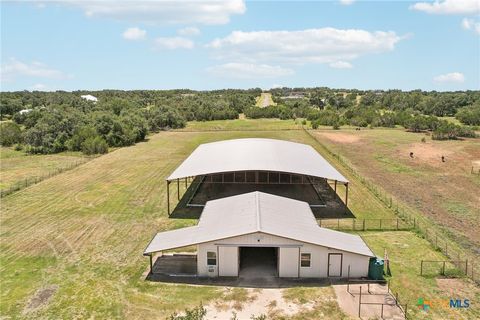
(94, 145)
(197, 313)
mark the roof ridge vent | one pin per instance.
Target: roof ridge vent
(258, 210)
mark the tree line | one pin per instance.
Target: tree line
(51, 122)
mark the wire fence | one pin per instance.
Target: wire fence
(447, 268)
(353, 224)
(422, 226)
(28, 181)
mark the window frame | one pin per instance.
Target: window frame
(309, 259)
(208, 259)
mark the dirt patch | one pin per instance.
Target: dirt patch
(340, 137)
(40, 298)
(428, 152)
(269, 302)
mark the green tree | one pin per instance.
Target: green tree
(10, 133)
(94, 145)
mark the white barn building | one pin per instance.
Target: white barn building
(89, 97)
(263, 234)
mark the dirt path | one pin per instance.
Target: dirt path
(269, 302)
(265, 100)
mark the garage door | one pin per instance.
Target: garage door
(228, 261)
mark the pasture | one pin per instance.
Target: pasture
(71, 246)
(17, 166)
(446, 192)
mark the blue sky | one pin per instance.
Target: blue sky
(72, 45)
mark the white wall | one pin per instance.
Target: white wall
(228, 261)
(289, 257)
(319, 262)
(288, 263)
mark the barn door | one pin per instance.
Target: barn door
(335, 264)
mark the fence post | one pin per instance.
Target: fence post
(406, 305)
(414, 223)
(382, 312)
(397, 223)
(421, 268)
(443, 270)
(360, 301)
(338, 224)
(466, 267)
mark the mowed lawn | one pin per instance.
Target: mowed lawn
(243, 124)
(16, 166)
(79, 236)
(445, 192)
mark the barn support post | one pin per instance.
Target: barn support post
(185, 184)
(346, 197)
(168, 197)
(178, 189)
(151, 263)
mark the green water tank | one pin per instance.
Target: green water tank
(375, 269)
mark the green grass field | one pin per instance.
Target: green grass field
(16, 166)
(81, 235)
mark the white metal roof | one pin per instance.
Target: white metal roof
(256, 154)
(258, 212)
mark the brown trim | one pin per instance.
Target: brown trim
(341, 264)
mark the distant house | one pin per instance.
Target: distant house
(89, 97)
(24, 111)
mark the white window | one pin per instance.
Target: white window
(305, 260)
(211, 258)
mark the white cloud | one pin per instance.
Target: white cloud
(325, 45)
(16, 69)
(134, 34)
(471, 24)
(347, 2)
(448, 7)
(248, 71)
(189, 31)
(454, 77)
(174, 43)
(341, 65)
(209, 12)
